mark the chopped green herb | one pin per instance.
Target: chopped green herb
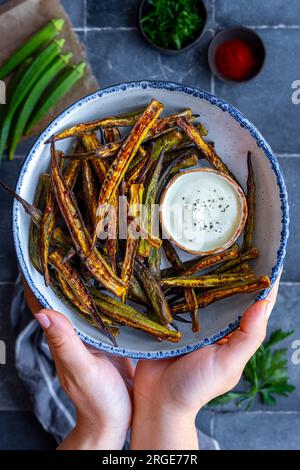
(172, 24)
(266, 373)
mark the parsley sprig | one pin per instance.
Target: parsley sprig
(266, 374)
(172, 24)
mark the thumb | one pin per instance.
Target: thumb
(245, 341)
(66, 348)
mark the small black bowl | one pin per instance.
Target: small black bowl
(144, 8)
(230, 34)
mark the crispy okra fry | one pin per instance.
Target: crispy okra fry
(70, 275)
(101, 152)
(149, 201)
(128, 316)
(125, 155)
(60, 238)
(155, 295)
(209, 152)
(188, 158)
(45, 229)
(191, 300)
(91, 142)
(91, 258)
(34, 213)
(170, 141)
(50, 215)
(132, 242)
(90, 192)
(146, 171)
(205, 299)
(172, 255)
(253, 253)
(211, 260)
(137, 172)
(186, 140)
(111, 135)
(189, 292)
(242, 268)
(136, 291)
(69, 255)
(130, 119)
(112, 234)
(70, 295)
(140, 171)
(210, 280)
(105, 151)
(184, 143)
(168, 123)
(123, 120)
(141, 154)
(82, 309)
(154, 261)
(179, 163)
(38, 202)
(250, 224)
(63, 291)
(203, 262)
(101, 168)
(249, 277)
(166, 142)
(151, 238)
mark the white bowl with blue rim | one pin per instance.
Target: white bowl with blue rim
(234, 135)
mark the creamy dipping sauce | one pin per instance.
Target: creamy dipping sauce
(203, 211)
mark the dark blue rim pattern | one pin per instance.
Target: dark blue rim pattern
(244, 123)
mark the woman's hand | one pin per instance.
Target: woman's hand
(169, 393)
(98, 385)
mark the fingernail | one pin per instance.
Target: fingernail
(43, 320)
(268, 309)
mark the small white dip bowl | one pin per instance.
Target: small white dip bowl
(177, 219)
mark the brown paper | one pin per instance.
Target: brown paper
(19, 19)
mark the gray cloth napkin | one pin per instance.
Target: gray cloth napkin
(36, 369)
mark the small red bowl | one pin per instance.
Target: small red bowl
(230, 34)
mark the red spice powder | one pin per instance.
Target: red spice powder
(235, 59)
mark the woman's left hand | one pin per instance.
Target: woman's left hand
(99, 385)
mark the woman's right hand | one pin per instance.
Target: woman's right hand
(169, 393)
